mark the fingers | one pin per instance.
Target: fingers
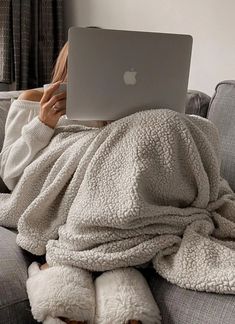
(61, 112)
(59, 105)
(56, 98)
(52, 106)
(49, 92)
(61, 95)
(58, 112)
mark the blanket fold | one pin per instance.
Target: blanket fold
(146, 187)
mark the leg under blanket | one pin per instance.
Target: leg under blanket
(146, 187)
(153, 191)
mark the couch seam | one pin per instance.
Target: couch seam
(14, 303)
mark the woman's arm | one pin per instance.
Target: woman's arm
(25, 136)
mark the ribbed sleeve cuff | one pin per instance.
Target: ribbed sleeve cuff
(38, 130)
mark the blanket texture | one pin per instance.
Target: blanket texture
(144, 188)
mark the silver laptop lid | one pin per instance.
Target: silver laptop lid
(113, 73)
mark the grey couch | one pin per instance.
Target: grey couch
(177, 305)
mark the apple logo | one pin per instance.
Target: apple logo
(130, 77)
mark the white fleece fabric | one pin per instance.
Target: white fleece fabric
(145, 188)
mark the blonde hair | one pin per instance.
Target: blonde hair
(60, 70)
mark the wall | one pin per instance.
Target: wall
(210, 22)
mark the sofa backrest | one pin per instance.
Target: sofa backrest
(5, 102)
(220, 109)
(196, 103)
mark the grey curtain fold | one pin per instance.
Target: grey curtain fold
(5, 42)
(34, 37)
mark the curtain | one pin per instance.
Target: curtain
(31, 36)
(5, 42)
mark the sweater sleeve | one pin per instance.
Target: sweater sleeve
(25, 136)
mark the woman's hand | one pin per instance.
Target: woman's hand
(52, 106)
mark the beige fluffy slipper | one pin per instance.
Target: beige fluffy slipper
(123, 295)
(60, 291)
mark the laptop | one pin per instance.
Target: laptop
(115, 73)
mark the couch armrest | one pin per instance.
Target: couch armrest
(222, 113)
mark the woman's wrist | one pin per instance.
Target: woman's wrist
(52, 127)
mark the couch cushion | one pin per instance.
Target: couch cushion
(222, 113)
(5, 103)
(197, 103)
(6, 97)
(183, 306)
(14, 305)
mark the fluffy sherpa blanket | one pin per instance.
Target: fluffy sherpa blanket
(144, 188)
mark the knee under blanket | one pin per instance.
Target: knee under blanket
(146, 187)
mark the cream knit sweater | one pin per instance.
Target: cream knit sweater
(25, 136)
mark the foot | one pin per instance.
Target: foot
(45, 266)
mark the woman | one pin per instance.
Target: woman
(146, 188)
(30, 126)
